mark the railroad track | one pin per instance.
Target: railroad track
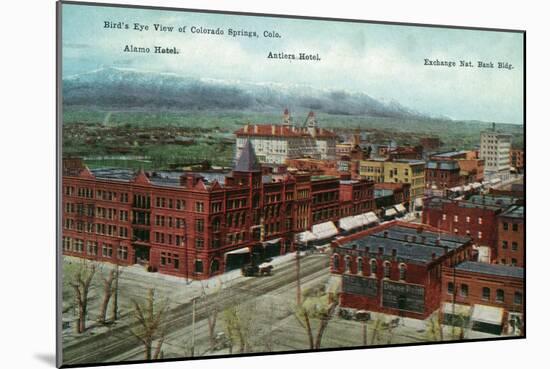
(107, 345)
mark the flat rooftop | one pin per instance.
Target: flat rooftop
(491, 269)
(159, 178)
(515, 211)
(419, 249)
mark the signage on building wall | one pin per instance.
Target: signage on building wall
(360, 285)
(403, 296)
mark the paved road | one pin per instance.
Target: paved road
(118, 343)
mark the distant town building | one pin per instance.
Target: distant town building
(395, 268)
(495, 150)
(396, 171)
(483, 297)
(276, 143)
(517, 160)
(443, 174)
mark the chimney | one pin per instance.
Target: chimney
(385, 234)
(380, 250)
(433, 256)
(354, 246)
(246, 128)
(255, 128)
(273, 129)
(394, 253)
(367, 250)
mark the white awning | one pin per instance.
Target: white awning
(372, 217)
(485, 183)
(459, 309)
(324, 230)
(418, 202)
(400, 208)
(244, 250)
(306, 236)
(349, 223)
(272, 242)
(495, 180)
(456, 189)
(476, 185)
(487, 314)
(390, 212)
(467, 188)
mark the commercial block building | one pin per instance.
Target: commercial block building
(511, 236)
(196, 225)
(483, 297)
(395, 268)
(476, 217)
(495, 150)
(517, 160)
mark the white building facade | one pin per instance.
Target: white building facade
(495, 150)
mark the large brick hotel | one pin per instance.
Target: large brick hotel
(196, 225)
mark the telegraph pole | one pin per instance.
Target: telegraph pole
(193, 328)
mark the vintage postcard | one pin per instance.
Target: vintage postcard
(235, 184)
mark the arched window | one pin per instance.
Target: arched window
(215, 266)
(373, 266)
(359, 265)
(402, 272)
(336, 262)
(387, 269)
(347, 260)
(485, 293)
(500, 295)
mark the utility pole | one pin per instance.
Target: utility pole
(193, 328)
(298, 286)
(115, 297)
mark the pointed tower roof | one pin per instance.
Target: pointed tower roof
(247, 161)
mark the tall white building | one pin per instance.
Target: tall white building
(275, 143)
(495, 150)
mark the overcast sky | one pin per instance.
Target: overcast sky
(386, 62)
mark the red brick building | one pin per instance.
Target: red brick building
(517, 159)
(511, 236)
(395, 268)
(443, 174)
(483, 297)
(476, 218)
(195, 224)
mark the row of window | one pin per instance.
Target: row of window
(513, 248)
(77, 245)
(373, 267)
(506, 226)
(169, 239)
(485, 293)
(467, 219)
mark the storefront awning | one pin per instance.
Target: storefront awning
(272, 242)
(400, 208)
(372, 218)
(495, 180)
(456, 189)
(244, 250)
(467, 188)
(458, 309)
(390, 212)
(476, 185)
(306, 236)
(487, 314)
(324, 230)
(349, 223)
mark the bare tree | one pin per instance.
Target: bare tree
(316, 307)
(81, 283)
(150, 317)
(239, 325)
(110, 288)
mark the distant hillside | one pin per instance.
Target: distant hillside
(114, 88)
